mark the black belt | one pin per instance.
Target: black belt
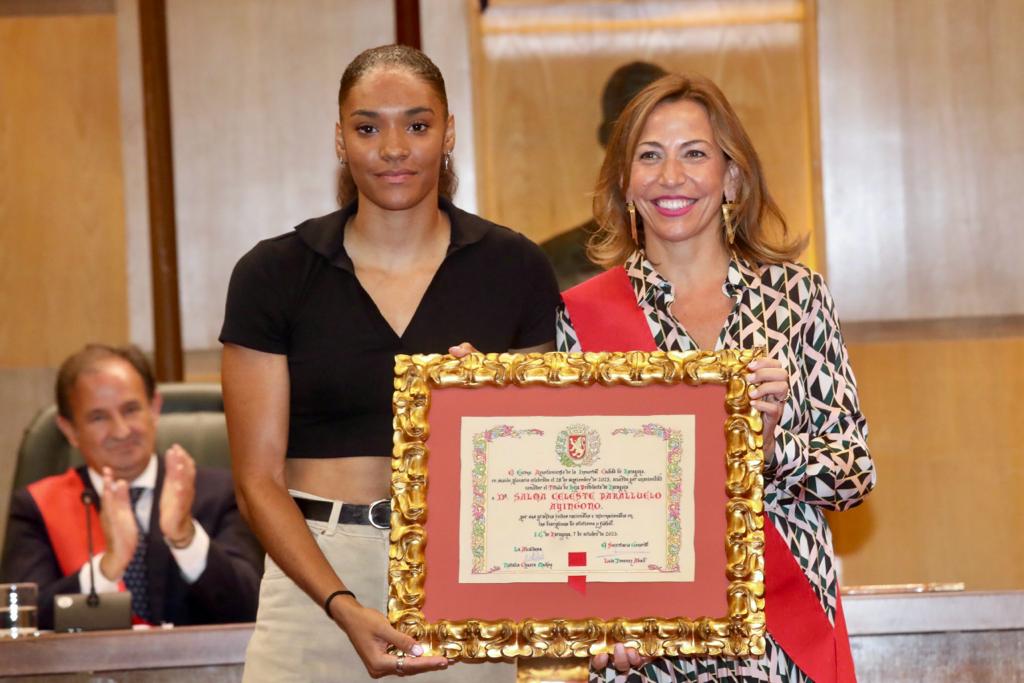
(376, 514)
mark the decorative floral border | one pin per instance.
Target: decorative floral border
(480, 441)
(740, 632)
(674, 484)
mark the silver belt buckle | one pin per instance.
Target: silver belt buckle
(369, 514)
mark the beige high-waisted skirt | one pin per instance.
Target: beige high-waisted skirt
(296, 641)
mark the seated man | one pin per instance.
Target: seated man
(165, 530)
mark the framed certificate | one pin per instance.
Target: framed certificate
(556, 504)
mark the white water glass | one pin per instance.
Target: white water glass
(18, 617)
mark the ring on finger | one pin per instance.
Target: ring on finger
(400, 665)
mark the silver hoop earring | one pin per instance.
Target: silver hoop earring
(447, 161)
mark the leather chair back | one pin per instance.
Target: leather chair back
(192, 415)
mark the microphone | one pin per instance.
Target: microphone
(89, 612)
(89, 498)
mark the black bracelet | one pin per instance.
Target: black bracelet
(327, 600)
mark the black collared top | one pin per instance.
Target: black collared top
(297, 295)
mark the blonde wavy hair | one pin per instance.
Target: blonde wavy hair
(612, 243)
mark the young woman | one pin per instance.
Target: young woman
(314, 319)
(685, 217)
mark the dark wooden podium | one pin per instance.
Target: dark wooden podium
(197, 654)
(935, 637)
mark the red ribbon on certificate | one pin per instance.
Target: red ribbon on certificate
(578, 583)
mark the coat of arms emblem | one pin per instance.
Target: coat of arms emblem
(577, 445)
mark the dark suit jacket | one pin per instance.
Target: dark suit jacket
(226, 591)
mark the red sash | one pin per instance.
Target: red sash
(605, 315)
(59, 499)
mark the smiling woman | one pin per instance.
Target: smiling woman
(679, 172)
(692, 113)
(683, 211)
(314, 319)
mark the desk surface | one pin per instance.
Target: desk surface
(907, 613)
(196, 646)
(186, 646)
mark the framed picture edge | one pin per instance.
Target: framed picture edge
(739, 632)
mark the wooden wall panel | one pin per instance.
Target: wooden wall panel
(922, 145)
(948, 447)
(254, 87)
(922, 123)
(445, 25)
(136, 182)
(62, 233)
(540, 85)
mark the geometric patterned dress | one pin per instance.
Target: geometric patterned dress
(821, 461)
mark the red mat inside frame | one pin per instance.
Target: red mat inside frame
(446, 598)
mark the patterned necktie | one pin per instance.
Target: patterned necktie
(135, 575)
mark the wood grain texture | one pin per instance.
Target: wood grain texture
(922, 104)
(136, 192)
(979, 657)
(447, 38)
(815, 250)
(903, 612)
(254, 87)
(539, 109)
(973, 327)
(407, 23)
(55, 7)
(163, 239)
(947, 446)
(227, 673)
(922, 123)
(62, 264)
(185, 646)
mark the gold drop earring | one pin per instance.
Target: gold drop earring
(631, 208)
(729, 220)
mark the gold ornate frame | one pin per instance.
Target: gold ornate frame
(740, 632)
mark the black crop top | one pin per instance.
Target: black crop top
(297, 295)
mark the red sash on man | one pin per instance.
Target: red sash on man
(605, 315)
(59, 499)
